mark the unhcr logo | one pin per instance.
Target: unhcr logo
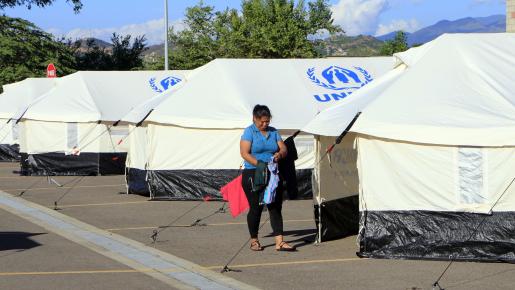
(336, 78)
(164, 84)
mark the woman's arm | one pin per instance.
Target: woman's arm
(245, 152)
(282, 151)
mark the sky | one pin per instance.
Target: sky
(100, 18)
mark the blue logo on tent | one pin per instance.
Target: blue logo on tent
(163, 84)
(338, 78)
(344, 80)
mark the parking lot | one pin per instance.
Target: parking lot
(101, 238)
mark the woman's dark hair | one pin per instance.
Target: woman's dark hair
(261, 111)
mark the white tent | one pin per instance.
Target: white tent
(73, 129)
(192, 137)
(136, 140)
(435, 152)
(15, 98)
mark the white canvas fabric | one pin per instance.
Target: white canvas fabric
(39, 137)
(334, 120)
(403, 176)
(18, 95)
(335, 174)
(224, 92)
(456, 90)
(89, 96)
(436, 134)
(14, 100)
(137, 144)
(178, 148)
(84, 98)
(6, 132)
(139, 112)
(216, 104)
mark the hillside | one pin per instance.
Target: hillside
(494, 23)
(366, 45)
(83, 44)
(341, 45)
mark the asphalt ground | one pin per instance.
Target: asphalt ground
(35, 258)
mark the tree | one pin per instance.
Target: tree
(90, 57)
(127, 56)
(281, 29)
(263, 29)
(196, 44)
(26, 50)
(123, 55)
(77, 4)
(398, 44)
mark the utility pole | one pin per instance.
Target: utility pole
(166, 34)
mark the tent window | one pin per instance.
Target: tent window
(470, 175)
(72, 135)
(120, 131)
(15, 131)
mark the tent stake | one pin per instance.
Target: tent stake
(159, 229)
(77, 181)
(197, 222)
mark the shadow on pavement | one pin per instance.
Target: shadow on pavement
(305, 237)
(18, 241)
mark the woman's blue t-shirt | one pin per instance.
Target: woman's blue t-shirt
(262, 148)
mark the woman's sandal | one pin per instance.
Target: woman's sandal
(256, 246)
(282, 248)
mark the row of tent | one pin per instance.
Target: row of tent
(180, 130)
(414, 152)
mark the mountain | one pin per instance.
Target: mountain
(95, 42)
(341, 45)
(83, 44)
(366, 45)
(494, 23)
(156, 49)
(390, 36)
(154, 53)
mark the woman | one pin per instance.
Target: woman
(260, 142)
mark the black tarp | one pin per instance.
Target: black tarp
(9, 153)
(438, 235)
(112, 163)
(136, 181)
(340, 218)
(71, 165)
(197, 184)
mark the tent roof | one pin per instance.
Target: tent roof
(89, 96)
(142, 110)
(458, 89)
(222, 93)
(17, 96)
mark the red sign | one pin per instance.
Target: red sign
(51, 72)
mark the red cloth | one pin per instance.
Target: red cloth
(234, 194)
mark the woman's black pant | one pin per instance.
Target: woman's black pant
(255, 210)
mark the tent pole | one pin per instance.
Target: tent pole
(166, 34)
(319, 235)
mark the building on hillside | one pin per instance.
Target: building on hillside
(510, 15)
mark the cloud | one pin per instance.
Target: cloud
(152, 29)
(358, 16)
(396, 25)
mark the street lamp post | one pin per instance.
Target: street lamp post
(166, 34)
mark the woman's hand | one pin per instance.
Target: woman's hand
(277, 156)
